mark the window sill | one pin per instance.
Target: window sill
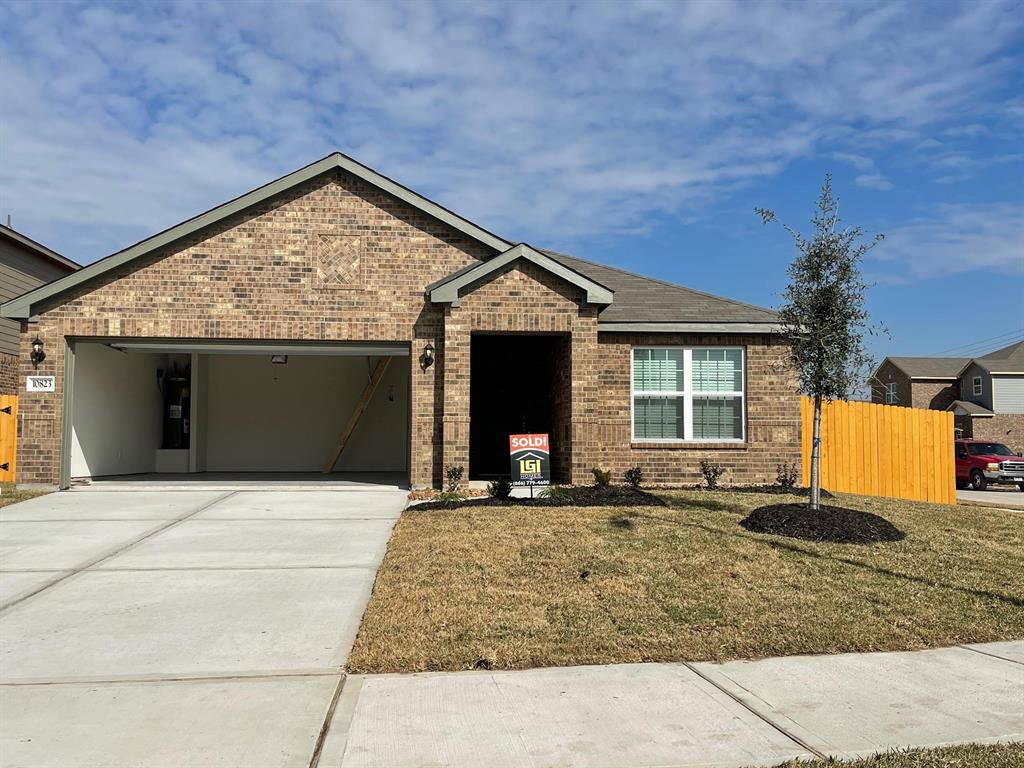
(689, 445)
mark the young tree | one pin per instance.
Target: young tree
(822, 314)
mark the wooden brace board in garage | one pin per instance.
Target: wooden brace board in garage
(353, 420)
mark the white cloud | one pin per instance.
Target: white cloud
(962, 238)
(873, 181)
(541, 121)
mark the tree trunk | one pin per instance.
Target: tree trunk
(816, 456)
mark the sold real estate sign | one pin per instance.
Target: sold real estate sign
(531, 459)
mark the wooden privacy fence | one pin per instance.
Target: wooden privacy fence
(882, 450)
(8, 436)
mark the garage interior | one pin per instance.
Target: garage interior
(181, 410)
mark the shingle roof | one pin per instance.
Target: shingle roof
(1006, 360)
(640, 299)
(637, 300)
(930, 367)
(38, 248)
(973, 409)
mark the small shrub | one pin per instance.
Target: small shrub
(602, 477)
(787, 475)
(450, 498)
(712, 472)
(634, 476)
(555, 493)
(499, 489)
(454, 477)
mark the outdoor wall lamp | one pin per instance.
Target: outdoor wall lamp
(38, 355)
(428, 355)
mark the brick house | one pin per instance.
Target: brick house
(24, 265)
(918, 382)
(244, 339)
(985, 394)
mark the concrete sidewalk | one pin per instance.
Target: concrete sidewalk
(735, 714)
(1009, 498)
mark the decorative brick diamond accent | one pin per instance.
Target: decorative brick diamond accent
(339, 261)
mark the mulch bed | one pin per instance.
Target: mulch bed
(835, 524)
(581, 496)
(773, 489)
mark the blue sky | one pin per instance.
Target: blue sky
(640, 135)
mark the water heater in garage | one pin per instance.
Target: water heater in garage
(176, 407)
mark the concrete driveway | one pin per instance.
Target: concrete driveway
(200, 627)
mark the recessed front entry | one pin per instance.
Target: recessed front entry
(518, 384)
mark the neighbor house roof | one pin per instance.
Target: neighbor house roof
(38, 249)
(971, 409)
(930, 367)
(1006, 360)
(630, 302)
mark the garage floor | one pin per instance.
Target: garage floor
(241, 481)
(200, 627)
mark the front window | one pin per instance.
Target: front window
(989, 449)
(688, 394)
(977, 386)
(890, 392)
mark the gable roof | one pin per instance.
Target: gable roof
(929, 367)
(1006, 360)
(447, 289)
(630, 302)
(38, 249)
(21, 307)
(966, 407)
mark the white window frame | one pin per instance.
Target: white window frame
(687, 396)
(890, 393)
(977, 386)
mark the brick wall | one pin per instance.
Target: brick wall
(1006, 428)
(8, 374)
(284, 271)
(338, 260)
(523, 300)
(888, 373)
(933, 394)
(772, 409)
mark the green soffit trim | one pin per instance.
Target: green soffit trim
(446, 291)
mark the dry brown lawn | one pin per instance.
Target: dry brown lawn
(9, 494)
(516, 587)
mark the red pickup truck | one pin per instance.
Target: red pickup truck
(980, 462)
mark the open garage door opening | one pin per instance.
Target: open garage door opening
(293, 412)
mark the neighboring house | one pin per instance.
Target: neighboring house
(918, 382)
(162, 352)
(991, 403)
(24, 265)
(985, 394)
